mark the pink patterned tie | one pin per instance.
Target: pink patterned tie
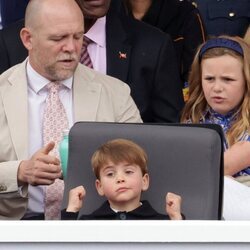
(85, 58)
(54, 122)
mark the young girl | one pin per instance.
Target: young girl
(219, 92)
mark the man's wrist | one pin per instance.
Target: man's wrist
(20, 177)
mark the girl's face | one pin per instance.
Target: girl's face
(223, 82)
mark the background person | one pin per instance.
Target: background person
(12, 11)
(180, 19)
(226, 17)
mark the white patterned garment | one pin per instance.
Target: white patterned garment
(54, 122)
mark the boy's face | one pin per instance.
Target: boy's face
(122, 185)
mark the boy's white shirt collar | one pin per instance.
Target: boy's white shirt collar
(117, 211)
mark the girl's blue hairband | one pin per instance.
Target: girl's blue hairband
(222, 43)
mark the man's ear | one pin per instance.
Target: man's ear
(99, 188)
(25, 35)
(145, 182)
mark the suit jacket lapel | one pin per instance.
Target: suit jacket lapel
(118, 45)
(15, 97)
(86, 94)
(86, 98)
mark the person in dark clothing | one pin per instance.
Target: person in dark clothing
(12, 11)
(120, 167)
(180, 19)
(224, 17)
(104, 212)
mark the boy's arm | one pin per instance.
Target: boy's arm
(173, 206)
(76, 196)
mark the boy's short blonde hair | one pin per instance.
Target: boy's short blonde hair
(119, 150)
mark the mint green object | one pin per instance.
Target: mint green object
(64, 152)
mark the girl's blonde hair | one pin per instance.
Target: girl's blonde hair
(247, 36)
(196, 105)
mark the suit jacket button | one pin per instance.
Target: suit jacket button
(194, 4)
(231, 14)
(3, 188)
(123, 216)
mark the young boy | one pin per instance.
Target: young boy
(120, 167)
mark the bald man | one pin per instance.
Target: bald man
(53, 35)
(127, 49)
